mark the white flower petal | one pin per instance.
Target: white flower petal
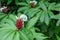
(2, 8)
(17, 17)
(35, 2)
(23, 17)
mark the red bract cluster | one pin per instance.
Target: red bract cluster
(19, 23)
(32, 5)
(5, 10)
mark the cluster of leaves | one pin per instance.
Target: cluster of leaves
(44, 18)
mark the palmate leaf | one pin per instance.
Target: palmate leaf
(42, 16)
(8, 31)
(11, 36)
(22, 9)
(47, 4)
(10, 23)
(26, 10)
(38, 36)
(3, 32)
(16, 36)
(12, 17)
(8, 36)
(57, 17)
(27, 32)
(43, 6)
(47, 19)
(3, 16)
(55, 7)
(32, 12)
(23, 36)
(51, 6)
(4, 19)
(52, 16)
(33, 21)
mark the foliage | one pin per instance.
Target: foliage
(43, 20)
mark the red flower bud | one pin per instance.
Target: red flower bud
(19, 23)
(5, 10)
(32, 5)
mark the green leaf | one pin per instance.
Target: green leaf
(52, 16)
(23, 36)
(40, 36)
(7, 35)
(57, 5)
(18, 14)
(9, 1)
(3, 32)
(26, 10)
(11, 36)
(33, 21)
(58, 38)
(47, 3)
(57, 9)
(42, 16)
(43, 6)
(11, 23)
(23, 3)
(28, 1)
(16, 2)
(47, 19)
(32, 12)
(12, 17)
(4, 18)
(58, 23)
(51, 6)
(17, 36)
(1, 16)
(7, 26)
(22, 9)
(57, 16)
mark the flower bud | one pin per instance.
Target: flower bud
(33, 3)
(23, 17)
(19, 23)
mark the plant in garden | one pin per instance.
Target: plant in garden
(29, 20)
(10, 32)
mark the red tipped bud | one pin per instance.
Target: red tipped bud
(33, 3)
(5, 10)
(19, 23)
